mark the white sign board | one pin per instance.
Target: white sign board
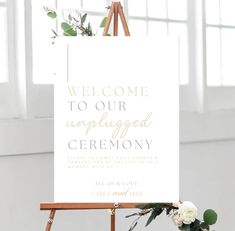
(116, 121)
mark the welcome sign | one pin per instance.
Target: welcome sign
(116, 121)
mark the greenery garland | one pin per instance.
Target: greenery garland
(183, 214)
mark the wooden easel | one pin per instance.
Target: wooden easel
(53, 207)
(115, 11)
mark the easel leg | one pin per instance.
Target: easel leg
(115, 28)
(116, 10)
(123, 20)
(109, 19)
(50, 220)
(112, 216)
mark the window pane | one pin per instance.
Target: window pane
(228, 12)
(180, 30)
(88, 5)
(213, 11)
(177, 9)
(228, 56)
(69, 4)
(3, 46)
(157, 29)
(43, 56)
(213, 57)
(64, 14)
(137, 27)
(157, 8)
(94, 5)
(137, 7)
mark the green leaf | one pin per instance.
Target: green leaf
(168, 210)
(210, 217)
(70, 17)
(185, 227)
(133, 226)
(52, 14)
(89, 27)
(151, 218)
(204, 225)
(195, 226)
(65, 26)
(103, 23)
(83, 18)
(131, 215)
(68, 30)
(141, 206)
(148, 206)
(156, 212)
(46, 8)
(89, 30)
(71, 32)
(54, 32)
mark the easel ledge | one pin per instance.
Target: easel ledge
(71, 206)
(53, 207)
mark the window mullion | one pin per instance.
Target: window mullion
(197, 54)
(167, 17)
(126, 10)
(12, 109)
(147, 16)
(29, 58)
(20, 75)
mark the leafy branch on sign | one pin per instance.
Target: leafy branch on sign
(74, 26)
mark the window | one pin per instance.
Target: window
(220, 53)
(21, 129)
(220, 26)
(161, 18)
(206, 29)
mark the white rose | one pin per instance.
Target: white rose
(177, 220)
(187, 212)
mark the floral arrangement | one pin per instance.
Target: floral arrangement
(183, 214)
(74, 25)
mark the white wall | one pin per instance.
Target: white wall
(207, 179)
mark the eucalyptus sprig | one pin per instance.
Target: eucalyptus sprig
(183, 215)
(74, 26)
